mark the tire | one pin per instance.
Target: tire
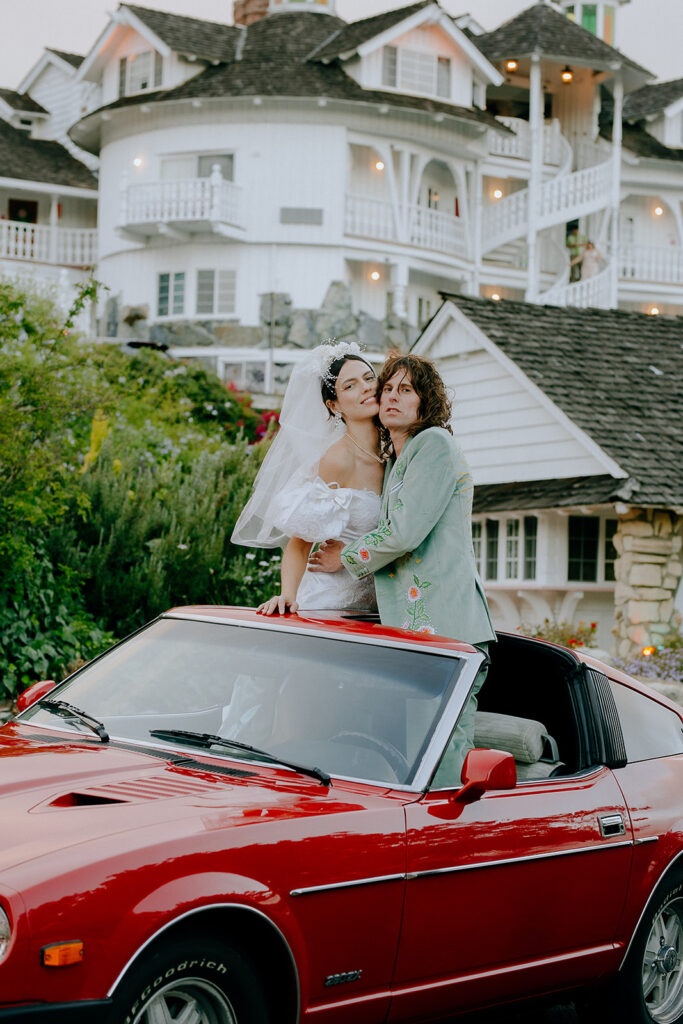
(206, 982)
(649, 988)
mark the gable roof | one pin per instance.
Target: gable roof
(635, 138)
(543, 30)
(651, 100)
(21, 102)
(348, 38)
(208, 39)
(74, 59)
(272, 61)
(40, 160)
(617, 375)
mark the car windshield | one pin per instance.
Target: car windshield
(358, 710)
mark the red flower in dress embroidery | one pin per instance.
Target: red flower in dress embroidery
(414, 594)
(364, 554)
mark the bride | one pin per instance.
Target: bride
(321, 479)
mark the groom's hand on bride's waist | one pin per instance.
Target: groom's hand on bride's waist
(327, 557)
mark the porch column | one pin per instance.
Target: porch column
(616, 188)
(477, 208)
(535, 174)
(54, 222)
(399, 286)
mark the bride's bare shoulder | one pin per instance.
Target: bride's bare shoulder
(336, 464)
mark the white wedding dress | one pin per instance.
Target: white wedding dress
(316, 511)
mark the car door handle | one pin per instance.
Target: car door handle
(611, 825)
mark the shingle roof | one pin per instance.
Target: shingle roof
(209, 39)
(617, 375)
(21, 102)
(556, 493)
(30, 159)
(652, 99)
(272, 62)
(542, 29)
(74, 59)
(635, 137)
(348, 38)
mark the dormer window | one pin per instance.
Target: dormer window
(139, 72)
(597, 17)
(416, 71)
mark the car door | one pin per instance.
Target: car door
(517, 892)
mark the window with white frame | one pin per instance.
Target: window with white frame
(505, 548)
(216, 292)
(170, 294)
(416, 71)
(197, 165)
(140, 72)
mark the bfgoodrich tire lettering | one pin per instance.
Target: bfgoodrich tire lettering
(204, 981)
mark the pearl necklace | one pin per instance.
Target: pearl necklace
(370, 455)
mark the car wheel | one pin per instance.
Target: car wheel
(649, 988)
(204, 982)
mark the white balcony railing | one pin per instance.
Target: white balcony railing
(42, 243)
(181, 201)
(660, 264)
(416, 225)
(505, 220)
(432, 229)
(518, 146)
(370, 218)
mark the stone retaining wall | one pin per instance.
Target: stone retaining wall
(648, 572)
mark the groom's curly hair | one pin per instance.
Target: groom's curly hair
(435, 403)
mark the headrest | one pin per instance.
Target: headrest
(524, 738)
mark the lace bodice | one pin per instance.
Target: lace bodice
(316, 511)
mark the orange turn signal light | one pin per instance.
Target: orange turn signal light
(61, 954)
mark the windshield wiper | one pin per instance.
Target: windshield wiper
(60, 707)
(207, 739)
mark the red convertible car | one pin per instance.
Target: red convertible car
(228, 819)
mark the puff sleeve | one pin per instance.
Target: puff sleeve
(314, 511)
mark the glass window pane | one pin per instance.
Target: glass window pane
(512, 549)
(491, 549)
(140, 71)
(570, 12)
(608, 30)
(476, 544)
(162, 294)
(226, 291)
(123, 68)
(582, 562)
(225, 161)
(179, 293)
(530, 539)
(610, 550)
(417, 71)
(649, 729)
(205, 290)
(158, 69)
(389, 66)
(589, 17)
(443, 77)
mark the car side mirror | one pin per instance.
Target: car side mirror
(486, 770)
(34, 693)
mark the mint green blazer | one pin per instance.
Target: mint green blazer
(421, 552)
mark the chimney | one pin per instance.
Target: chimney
(246, 12)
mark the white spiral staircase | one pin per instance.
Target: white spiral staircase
(564, 196)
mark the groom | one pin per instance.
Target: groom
(421, 552)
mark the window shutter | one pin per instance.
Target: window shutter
(158, 69)
(389, 66)
(123, 64)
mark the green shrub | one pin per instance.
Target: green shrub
(562, 633)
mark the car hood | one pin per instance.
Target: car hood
(57, 792)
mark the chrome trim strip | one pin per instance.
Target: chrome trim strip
(347, 885)
(199, 910)
(664, 871)
(646, 839)
(516, 860)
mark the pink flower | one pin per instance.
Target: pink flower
(413, 594)
(364, 554)
(426, 629)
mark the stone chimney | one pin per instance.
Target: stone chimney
(246, 12)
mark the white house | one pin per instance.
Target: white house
(573, 426)
(244, 169)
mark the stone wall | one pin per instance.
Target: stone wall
(648, 572)
(280, 325)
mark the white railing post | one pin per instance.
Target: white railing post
(616, 187)
(216, 180)
(54, 221)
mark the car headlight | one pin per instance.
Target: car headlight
(5, 933)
